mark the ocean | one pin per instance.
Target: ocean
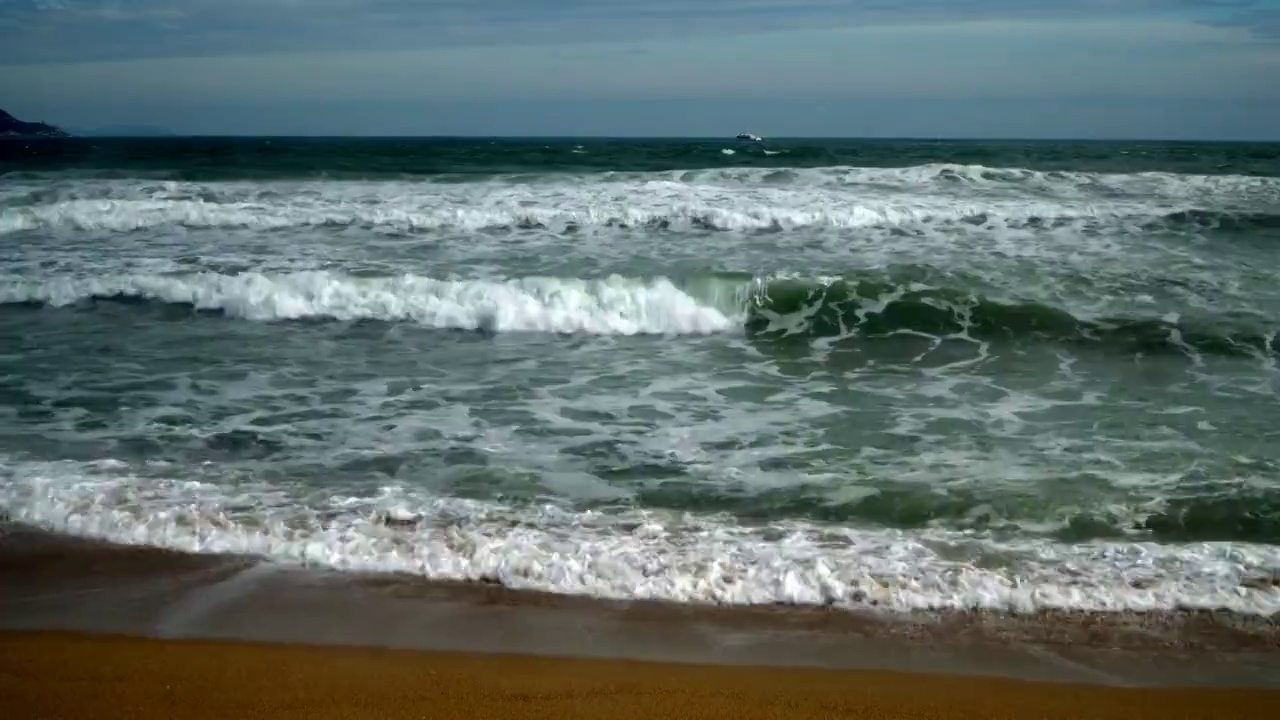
(862, 374)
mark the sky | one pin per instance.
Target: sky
(1159, 69)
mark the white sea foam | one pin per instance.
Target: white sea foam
(725, 199)
(756, 211)
(634, 554)
(611, 306)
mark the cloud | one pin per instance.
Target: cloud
(1136, 59)
(74, 30)
(1262, 22)
(1020, 67)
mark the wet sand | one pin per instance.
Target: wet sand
(144, 632)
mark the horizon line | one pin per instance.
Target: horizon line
(173, 135)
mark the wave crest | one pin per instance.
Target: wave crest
(786, 308)
(611, 306)
(768, 309)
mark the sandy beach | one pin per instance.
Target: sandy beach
(56, 675)
(95, 630)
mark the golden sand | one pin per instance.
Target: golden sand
(86, 677)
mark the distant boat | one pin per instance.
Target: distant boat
(749, 136)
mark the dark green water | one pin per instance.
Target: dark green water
(242, 158)
(906, 373)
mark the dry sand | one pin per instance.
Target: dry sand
(56, 675)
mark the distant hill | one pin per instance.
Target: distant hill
(11, 126)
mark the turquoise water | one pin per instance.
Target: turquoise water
(907, 374)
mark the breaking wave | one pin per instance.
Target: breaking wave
(766, 309)
(725, 199)
(784, 308)
(612, 306)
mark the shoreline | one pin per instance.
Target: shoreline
(1191, 627)
(62, 583)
